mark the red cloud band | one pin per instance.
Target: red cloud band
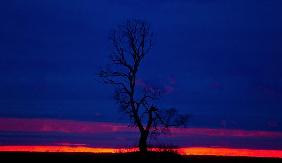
(80, 127)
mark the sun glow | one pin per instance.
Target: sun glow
(184, 151)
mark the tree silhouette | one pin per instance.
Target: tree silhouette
(131, 42)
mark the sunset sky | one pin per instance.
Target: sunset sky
(219, 61)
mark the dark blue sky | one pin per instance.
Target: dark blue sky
(219, 60)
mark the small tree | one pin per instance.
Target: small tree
(131, 42)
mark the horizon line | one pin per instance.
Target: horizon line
(188, 151)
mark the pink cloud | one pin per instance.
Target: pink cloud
(168, 89)
(225, 132)
(80, 127)
(269, 90)
(166, 85)
(64, 126)
(140, 82)
(171, 80)
(216, 85)
(169, 85)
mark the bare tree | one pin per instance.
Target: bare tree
(131, 42)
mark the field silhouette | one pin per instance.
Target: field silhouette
(123, 158)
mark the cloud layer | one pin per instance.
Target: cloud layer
(107, 134)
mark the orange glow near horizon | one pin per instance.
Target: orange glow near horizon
(56, 149)
(211, 151)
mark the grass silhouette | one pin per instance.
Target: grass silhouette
(133, 157)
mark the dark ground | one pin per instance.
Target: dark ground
(9, 157)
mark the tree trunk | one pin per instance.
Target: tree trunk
(143, 142)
